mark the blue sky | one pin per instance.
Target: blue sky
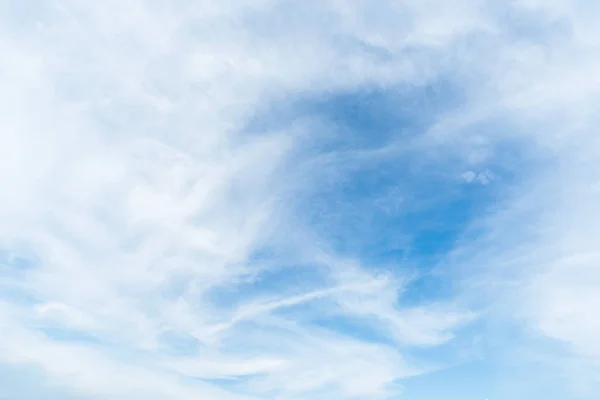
(277, 200)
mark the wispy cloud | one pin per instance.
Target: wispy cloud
(240, 200)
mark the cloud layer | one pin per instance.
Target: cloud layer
(272, 199)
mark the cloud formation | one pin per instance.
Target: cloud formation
(273, 199)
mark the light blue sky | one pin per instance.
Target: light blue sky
(287, 200)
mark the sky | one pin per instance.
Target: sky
(290, 200)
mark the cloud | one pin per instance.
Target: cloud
(536, 262)
(135, 199)
(205, 200)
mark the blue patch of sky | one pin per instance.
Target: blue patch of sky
(485, 378)
(362, 118)
(386, 207)
(449, 383)
(404, 209)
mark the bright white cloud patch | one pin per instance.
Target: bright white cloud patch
(183, 216)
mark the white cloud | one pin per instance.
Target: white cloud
(132, 189)
(127, 178)
(539, 260)
(482, 178)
